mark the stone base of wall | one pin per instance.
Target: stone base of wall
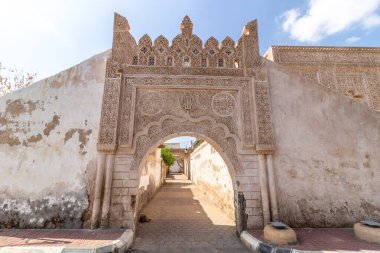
(66, 211)
(132, 191)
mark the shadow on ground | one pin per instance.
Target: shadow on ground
(184, 220)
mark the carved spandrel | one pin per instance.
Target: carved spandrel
(175, 126)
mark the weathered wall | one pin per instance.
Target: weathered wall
(351, 71)
(150, 178)
(327, 153)
(181, 161)
(209, 171)
(132, 191)
(48, 135)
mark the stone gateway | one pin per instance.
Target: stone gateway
(154, 91)
(297, 129)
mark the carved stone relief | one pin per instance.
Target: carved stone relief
(150, 103)
(223, 104)
(110, 112)
(158, 96)
(265, 139)
(351, 71)
(155, 90)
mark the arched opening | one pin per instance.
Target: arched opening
(195, 192)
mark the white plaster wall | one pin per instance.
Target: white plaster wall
(209, 171)
(151, 178)
(327, 154)
(175, 168)
(48, 135)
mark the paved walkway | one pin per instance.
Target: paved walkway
(184, 220)
(73, 238)
(327, 240)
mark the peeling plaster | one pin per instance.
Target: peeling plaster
(6, 137)
(32, 139)
(20, 106)
(82, 137)
(45, 182)
(51, 125)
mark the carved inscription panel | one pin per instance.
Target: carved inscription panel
(147, 100)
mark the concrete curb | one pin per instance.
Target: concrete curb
(255, 245)
(120, 246)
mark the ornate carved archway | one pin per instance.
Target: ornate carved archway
(154, 90)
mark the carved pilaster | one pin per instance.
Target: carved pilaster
(109, 117)
(264, 129)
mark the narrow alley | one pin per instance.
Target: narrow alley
(183, 219)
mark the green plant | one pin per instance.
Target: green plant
(167, 156)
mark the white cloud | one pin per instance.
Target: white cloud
(352, 40)
(327, 17)
(373, 20)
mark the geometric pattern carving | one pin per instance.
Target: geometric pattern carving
(205, 127)
(186, 50)
(205, 89)
(351, 71)
(188, 101)
(109, 116)
(150, 103)
(154, 90)
(265, 139)
(223, 104)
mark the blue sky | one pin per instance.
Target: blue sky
(47, 36)
(184, 141)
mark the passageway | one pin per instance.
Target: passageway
(185, 220)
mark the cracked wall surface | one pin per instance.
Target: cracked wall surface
(48, 135)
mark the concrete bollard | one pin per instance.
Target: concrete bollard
(279, 236)
(367, 233)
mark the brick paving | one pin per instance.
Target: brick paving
(78, 238)
(326, 239)
(184, 220)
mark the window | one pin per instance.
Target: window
(135, 60)
(151, 61)
(236, 64)
(204, 63)
(169, 61)
(186, 62)
(221, 63)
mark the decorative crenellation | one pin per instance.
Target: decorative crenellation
(186, 49)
